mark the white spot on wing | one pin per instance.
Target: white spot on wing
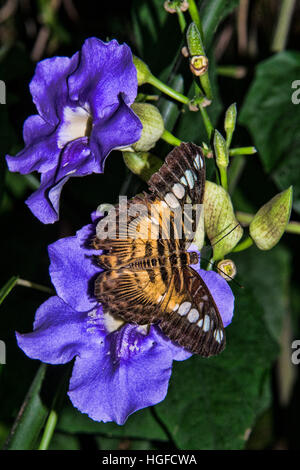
(178, 190)
(206, 323)
(193, 315)
(184, 308)
(171, 200)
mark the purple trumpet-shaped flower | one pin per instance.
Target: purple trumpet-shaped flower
(119, 367)
(84, 112)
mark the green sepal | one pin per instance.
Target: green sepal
(269, 223)
(221, 225)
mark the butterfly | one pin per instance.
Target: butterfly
(147, 276)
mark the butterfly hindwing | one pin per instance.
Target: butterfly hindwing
(193, 319)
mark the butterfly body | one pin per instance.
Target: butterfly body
(147, 277)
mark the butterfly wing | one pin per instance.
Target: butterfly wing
(192, 318)
(181, 182)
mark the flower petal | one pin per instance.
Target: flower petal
(72, 269)
(75, 160)
(101, 85)
(49, 87)
(221, 293)
(119, 130)
(58, 333)
(131, 371)
(40, 140)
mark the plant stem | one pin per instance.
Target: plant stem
(181, 19)
(243, 245)
(207, 122)
(242, 151)
(193, 10)
(232, 71)
(33, 285)
(245, 218)
(168, 90)
(170, 138)
(48, 431)
(223, 176)
(283, 25)
(235, 171)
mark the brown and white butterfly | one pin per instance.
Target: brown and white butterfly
(149, 280)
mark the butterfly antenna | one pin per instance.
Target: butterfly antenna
(226, 234)
(225, 274)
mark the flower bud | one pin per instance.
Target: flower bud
(143, 71)
(143, 164)
(153, 126)
(221, 151)
(194, 41)
(227, 269)
(221, 225)
(230, 122)
(199, 65)
(269, 223)
(171, 6)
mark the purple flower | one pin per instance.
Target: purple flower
(119, 367)
(83, 105)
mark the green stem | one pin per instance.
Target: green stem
(193, 10)
(48, 431)
(223, 176)
(283, 25)
(242, 151)
(181, 20)
(243, 245)
(170, 138)
(232, 71)
(210, 265)
(235, 171)
(244, 218)
(205, 83)
(168, 90)
(33, 285)
(207, 122)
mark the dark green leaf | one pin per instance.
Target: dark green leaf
(31, 417)
(139, 425)
(273, 120)
(212, 403)
(212, 13)
(5, 290)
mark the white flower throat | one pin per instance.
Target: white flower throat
(77, 123)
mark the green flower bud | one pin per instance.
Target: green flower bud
(143, 71)
(194, 41)
(269, 223)
(143, 164)
(199, 65)
(153, 126)
(230, 122)
(221, 225)
(227, 269)
(171, 6)
(221, 151)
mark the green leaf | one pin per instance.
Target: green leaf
(31, 417)
(267, 275)
(213, 403)
(212, 13)
(273, 120)
(5, 290)
(140, 425)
